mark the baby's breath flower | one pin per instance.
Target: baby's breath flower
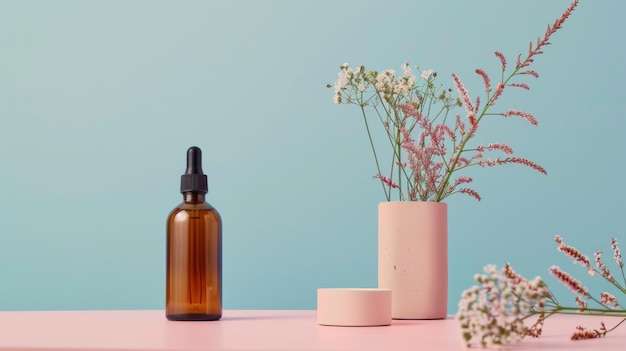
(407, 69)
(427, 73)
(493, 313)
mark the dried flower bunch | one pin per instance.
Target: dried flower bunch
(498, 310)
(428, 145)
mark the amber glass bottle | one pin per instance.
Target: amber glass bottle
(194, 251)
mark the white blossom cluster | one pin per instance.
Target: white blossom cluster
(492, 314)
(384, 85)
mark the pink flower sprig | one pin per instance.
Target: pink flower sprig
(602, 268)
(616, 253)
(572, 252)
(467, 102)
(541, 42)
(607, 299)
(486, 79)
(581, 303)
(470, 192)
(388, 182)
(569, 281)
(502, 58)
(525, 115)
(498, 310)
(582, 333)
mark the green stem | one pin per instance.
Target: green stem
(399, 155)
(597, 314)
(394, 141)
(369, 135)
(615, 326)
(451, 169)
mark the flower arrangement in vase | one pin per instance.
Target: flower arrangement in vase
(430, 145)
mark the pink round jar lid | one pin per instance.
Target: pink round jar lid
(352, 307)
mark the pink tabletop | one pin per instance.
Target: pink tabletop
(259, 330)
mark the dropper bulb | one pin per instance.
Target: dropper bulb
(194, 180)
(194, 160)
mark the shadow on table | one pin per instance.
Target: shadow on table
(412, 322)
(256, 318)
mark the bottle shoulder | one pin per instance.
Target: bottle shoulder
(194, 206)
(186, 208)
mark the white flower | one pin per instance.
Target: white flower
(342, 81)
(338, 87)
(427, 73)
(361, 87)
(407, 69)
(411, 81)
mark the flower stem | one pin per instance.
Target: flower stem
(615, 326)
(369, 135)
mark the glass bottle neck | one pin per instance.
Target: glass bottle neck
(193, 198)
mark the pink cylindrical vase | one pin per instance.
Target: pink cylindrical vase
(413, 258)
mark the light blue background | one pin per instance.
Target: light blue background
(99, 101)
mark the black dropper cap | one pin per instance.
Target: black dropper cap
(194, 180)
